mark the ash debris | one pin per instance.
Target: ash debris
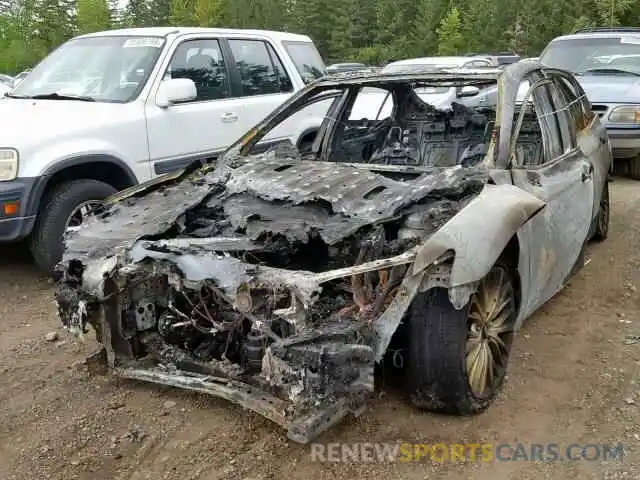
(213, 273)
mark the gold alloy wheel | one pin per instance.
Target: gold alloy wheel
(490, 331)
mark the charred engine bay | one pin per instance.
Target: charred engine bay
(264, 212)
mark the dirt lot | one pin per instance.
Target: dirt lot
(573, 379)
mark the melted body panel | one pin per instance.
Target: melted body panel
(277, 280)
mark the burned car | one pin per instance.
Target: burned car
(280, 279)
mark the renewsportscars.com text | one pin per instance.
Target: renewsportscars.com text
(459, 452)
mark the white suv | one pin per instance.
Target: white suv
(109, 110)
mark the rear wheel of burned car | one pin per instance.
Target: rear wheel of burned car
(65, 207)
(458, 358)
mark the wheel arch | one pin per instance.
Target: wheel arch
(101, 167)
(467, 247)
(480, 233)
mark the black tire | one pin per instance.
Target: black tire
(437, 376)
(601, 228)
(46, 243)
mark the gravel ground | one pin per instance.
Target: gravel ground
(573, 378)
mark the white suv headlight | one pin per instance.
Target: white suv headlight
(625, 114)
(8, 164)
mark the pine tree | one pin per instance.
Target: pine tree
(92, 16)
(210, 13)
(182, 13)
(424, 37)
(450, 38)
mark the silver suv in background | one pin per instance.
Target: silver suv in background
(606, 62)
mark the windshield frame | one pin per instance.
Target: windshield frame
(344, 98)
(45, 65)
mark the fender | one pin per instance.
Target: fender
(43, 179)
(90, 158)
(479, 233)
(475, 237)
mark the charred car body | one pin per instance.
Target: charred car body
(278, 279)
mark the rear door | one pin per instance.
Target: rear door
(547, 163)
(262, 82)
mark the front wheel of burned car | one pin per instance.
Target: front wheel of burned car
(458, 358)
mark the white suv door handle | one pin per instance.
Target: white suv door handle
(229, 117)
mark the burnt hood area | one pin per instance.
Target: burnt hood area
(279, 204)
(248, 236)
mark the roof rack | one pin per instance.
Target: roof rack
(609, 29)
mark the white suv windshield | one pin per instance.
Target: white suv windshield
(612, 55)
(103, 69)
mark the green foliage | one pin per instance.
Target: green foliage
(182, 12)
(451, 40)
(210, 13)
(370, 31)
(93, 16)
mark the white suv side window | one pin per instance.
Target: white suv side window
(201, 61)
(261, 71)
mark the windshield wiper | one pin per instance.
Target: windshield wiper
(609, 70)
(53, 96)
(59, 96)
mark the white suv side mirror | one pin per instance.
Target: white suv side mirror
(176, 90)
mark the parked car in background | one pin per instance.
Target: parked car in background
(279, 280)
(378, 103)
(606, 62)
(498, 59)
(112, 109)
(444, 62)
(345, 67)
